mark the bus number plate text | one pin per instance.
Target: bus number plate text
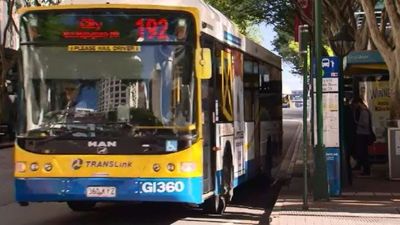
(102, 192)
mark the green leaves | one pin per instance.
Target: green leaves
(243, 12)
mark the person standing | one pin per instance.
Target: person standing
(350, 137)
(364, 135)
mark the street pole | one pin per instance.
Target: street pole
(346, 176)
(343, 43)
(303, 52)
(320, 189)
(312, 91)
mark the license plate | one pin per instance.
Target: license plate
(103, 192)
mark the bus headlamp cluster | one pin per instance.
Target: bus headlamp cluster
(156, 167)
(34, 166)
(188, 167)
(21, 167)
(170, 167)
(48, 167)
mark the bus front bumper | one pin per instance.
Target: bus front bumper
(186, 190)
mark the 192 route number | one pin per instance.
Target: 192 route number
(162, 187)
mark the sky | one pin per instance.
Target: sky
(293, 82)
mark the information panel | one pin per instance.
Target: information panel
(330, 101)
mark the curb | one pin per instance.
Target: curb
(285, 178)
(6, 145)
(287, 164)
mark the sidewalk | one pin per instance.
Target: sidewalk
(371, 200)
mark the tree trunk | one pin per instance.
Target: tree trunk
(394, 74)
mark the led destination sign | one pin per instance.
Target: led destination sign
(109, 25)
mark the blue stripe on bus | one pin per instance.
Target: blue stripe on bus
(188, 190)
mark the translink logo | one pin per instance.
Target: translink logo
(110, 164)
(79, 163)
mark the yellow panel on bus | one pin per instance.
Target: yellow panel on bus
(186, 163)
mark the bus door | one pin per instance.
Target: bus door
(231, 106)
(224, 130)
(208, 120)
(238, 105)
(252, 131)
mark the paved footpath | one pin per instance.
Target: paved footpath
(371, 200)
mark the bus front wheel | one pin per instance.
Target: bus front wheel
(217, 203)
(214, 205)
(80, 206)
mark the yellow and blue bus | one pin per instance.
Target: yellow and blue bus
(141, 100)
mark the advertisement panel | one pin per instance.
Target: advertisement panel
(377, 97)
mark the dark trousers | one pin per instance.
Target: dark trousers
(362, 153)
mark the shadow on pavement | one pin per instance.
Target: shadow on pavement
(252, 204)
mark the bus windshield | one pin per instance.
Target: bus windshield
(104, 67)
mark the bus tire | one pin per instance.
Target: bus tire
(214, 205)
(81, 206)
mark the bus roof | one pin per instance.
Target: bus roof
(214, 23)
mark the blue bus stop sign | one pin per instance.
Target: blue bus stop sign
(330, 67)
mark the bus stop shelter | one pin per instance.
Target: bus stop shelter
(366, 75)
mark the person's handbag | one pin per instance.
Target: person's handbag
(371, 137)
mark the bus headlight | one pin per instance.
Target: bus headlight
(20, 167)
(34, 166)
(48, 167)
(188, 167)
(170, 167)
(156, 167)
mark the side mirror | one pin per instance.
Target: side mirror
(203, 63)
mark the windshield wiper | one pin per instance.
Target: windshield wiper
(62, 132)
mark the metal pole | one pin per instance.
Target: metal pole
(320, 175)
(303, 50)
(312, 91)
(305, 142)
(346, 176)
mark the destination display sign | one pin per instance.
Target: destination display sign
(109, 25)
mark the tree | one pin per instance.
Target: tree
(243, 13)
(288, 49)
(336, 13)
(8, 55)
(282, 15)
(387, 41)
(8, 58)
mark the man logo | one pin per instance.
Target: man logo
(102, 144)
(77, 164)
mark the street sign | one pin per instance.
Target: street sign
(330, 67)
(330, 99)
